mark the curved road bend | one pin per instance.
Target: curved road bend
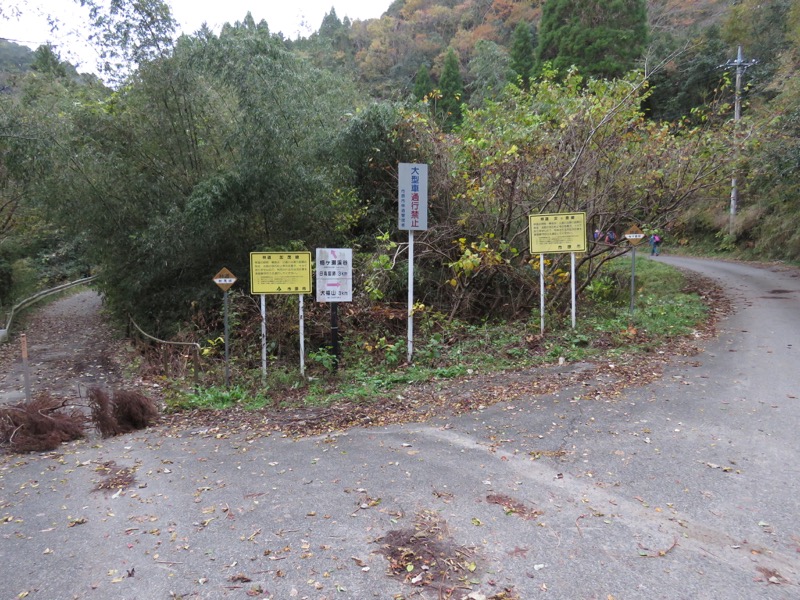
(687, 488)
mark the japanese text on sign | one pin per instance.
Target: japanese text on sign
(412, 196)
(224, 279)
(557, 233)
(280, 272)
(334, 275)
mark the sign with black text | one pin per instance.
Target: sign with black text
(557, 233)
(334, 275)
(280, 272)
(412, 196)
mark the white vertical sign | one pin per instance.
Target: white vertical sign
(412, 196)
(412, 201)
(334, 275)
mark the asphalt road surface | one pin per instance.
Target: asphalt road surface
(687, 488)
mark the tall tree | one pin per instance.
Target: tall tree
(602, 38)
(128, 33)
(423, 84)
(489, 71)
(691, 79)
(46, 60)
(452, 88)
(522, 53)
(205, 155)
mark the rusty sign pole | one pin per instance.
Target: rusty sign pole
(633, 278)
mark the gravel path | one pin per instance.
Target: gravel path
(71, 347)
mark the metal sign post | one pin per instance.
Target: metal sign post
(264, 339)
(635, 236)
(334, 285)
(302, 336)
(574, 287)
(541, 293)
(225, 279)
(227, 351)
(412, 208)
(335, 334)
(633, 278)
(410, 295)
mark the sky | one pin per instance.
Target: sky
(291, 17)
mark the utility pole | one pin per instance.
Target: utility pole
(740, 65)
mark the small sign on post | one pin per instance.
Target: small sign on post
(334, 275)
(334, 285)
(635, 236)
(225, 279)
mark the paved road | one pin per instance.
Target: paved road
(684, 489)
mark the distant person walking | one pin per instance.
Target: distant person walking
(655, 244)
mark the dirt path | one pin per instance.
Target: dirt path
(70, 348)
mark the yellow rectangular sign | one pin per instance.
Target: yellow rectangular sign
(557, 233)
(280, 272)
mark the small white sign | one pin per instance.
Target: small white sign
(334, 275)
(412, 196)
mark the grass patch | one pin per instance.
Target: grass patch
(216, 398)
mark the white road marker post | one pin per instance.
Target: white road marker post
(574, 290)
(264, 339)
(302, 338)
(541, 293)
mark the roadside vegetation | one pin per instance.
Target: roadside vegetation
(668, 310)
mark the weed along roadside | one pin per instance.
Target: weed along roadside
(457, 365)
(373, 383)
